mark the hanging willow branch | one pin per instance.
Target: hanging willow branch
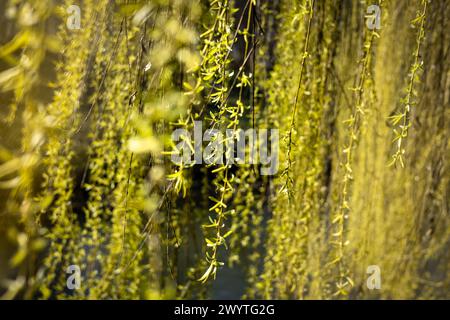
(83, 178)
(297, 95)
(401, 121)
(344, 281)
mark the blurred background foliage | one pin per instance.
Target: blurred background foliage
(86, 118)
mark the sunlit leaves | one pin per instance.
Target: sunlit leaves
(401, 120)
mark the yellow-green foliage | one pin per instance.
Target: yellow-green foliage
(86, 121)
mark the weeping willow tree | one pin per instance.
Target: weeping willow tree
(94, 92)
